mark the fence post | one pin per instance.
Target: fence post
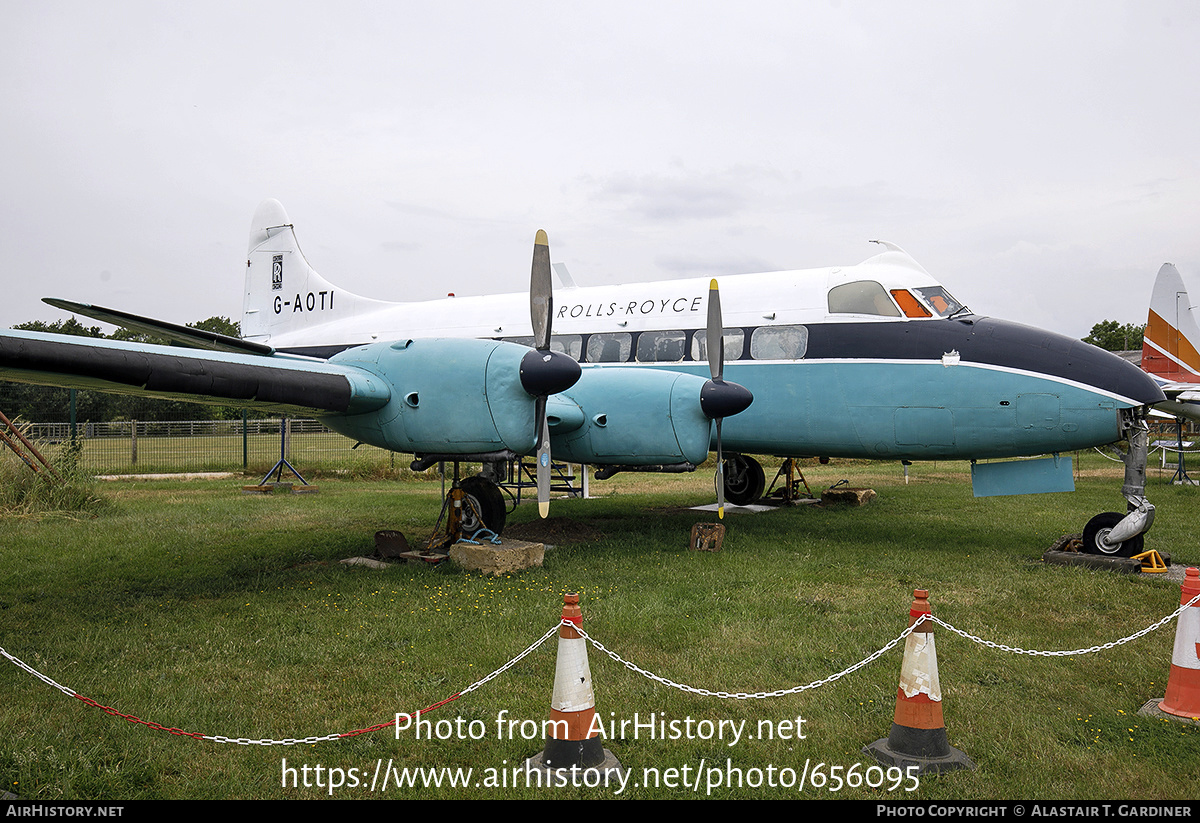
(245, 441)
(133, 442)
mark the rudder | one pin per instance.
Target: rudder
(1169, 347)
(283, 293)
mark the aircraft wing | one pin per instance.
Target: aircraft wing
(1183, 400)
(183, 335)
(278, 383)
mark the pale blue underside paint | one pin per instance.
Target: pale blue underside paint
(912, 410)
(1049, 474)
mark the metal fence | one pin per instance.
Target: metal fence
(147, 446)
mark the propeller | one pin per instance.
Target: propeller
(719, 399)
(544, 372)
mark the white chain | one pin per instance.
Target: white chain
(242, 741)
(528, 651)
(245, 741)
(746, 695)
(1072, 652)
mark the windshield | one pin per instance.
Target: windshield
(941, 300)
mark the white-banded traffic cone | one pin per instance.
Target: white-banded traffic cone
(918, 735)
(571, 742)
(1183, 685)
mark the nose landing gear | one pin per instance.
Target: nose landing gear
(1118, 535)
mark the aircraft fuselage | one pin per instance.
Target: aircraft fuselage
(874, 360)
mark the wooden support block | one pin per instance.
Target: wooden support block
(707, 537)
(851, 497)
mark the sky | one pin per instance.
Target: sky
(1040, 159)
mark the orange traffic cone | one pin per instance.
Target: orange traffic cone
(918, 736)
(1183, 686)
(571, 742)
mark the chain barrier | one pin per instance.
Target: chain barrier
(242, 741)
(287, 741)
(683, 687)
(1072, 652)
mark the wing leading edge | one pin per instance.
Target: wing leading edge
(183, 335)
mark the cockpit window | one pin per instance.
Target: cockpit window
(940, 299)
(910, 305)
(861, 297)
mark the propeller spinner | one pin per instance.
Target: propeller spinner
(719, 399)
(544, 372)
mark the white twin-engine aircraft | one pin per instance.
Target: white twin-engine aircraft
(876, 360)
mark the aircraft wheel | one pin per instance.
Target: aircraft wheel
(1098, 527)
(489, 502)
(744, 480)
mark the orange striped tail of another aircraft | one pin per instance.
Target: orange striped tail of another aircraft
(1169, 348)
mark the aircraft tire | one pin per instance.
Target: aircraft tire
(488, 501)
(744, 480)
(1099, 526)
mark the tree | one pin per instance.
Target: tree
(220, 325)
(1114, 336)
(71, 326)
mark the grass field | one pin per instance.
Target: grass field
(196, 607)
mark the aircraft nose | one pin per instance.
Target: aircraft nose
(1109, 371)
(1016, 346)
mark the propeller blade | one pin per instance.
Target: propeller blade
(715, 334)
(720, 475)
(543, 461)
(541, 297)
(719, 399)
(544, 372)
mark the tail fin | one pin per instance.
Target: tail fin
(1169, 348)
(283, 294)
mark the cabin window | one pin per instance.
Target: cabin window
(661, 346)
(568, 344)
(861, 297)
(609, 348)
(779, 343)
(940, 299)
(735, 344)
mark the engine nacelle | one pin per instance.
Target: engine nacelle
(448, 397)
(633, 416)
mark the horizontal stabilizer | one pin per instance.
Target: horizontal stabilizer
(183, 335)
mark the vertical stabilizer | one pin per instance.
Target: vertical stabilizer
(283, 293)
(1170, 344)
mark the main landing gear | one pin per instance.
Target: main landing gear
(744, 479)
(473, 507)
(746, 483)
(1118, 535)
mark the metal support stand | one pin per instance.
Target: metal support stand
(789, 492)
(278, 468)
(1180, 478)
(437, 547)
